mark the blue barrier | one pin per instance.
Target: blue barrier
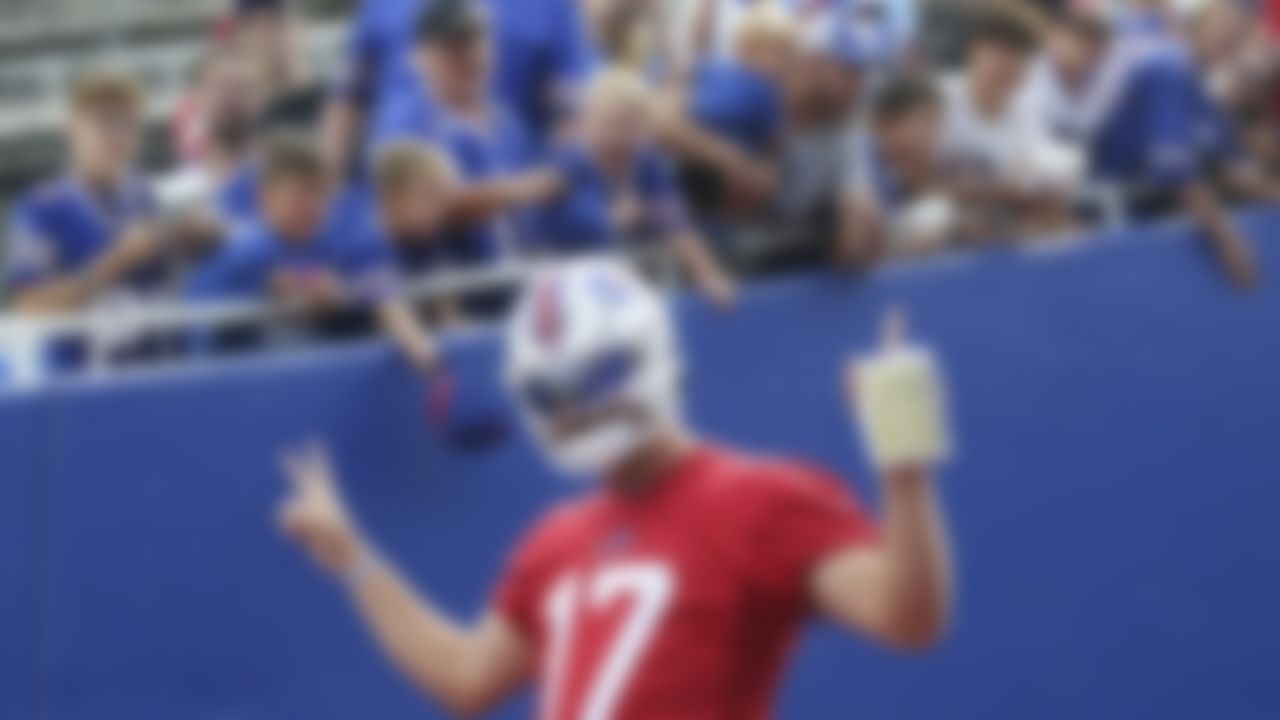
(1114, 504)
(23, 508)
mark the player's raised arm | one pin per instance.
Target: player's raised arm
(899, 589)
(465, 669)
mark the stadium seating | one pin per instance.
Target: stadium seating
(46, 43)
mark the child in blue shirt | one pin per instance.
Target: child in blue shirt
(309, 252)
(93, 230)
(609, 185)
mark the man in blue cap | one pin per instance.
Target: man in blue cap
(453, 107)
(543, 50)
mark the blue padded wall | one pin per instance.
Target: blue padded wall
(24, 428)
(1114, 502)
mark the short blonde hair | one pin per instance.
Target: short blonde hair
(106, 91)
(399, 164)
(617, 85)
(766, 21)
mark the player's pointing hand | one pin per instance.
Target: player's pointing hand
(899, 399)
(314, 514)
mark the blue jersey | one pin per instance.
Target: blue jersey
(1163, 130)
(413, 257)
(543, 47)
(237, 198)
(737, 103)
(249, 261)
(63, 226)
(581, 218)
(482, 150)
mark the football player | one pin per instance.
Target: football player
(676, 587)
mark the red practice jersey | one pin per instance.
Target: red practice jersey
(682, 603)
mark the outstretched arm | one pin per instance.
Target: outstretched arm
(898, 590)
(465, 669)
(1226, 242)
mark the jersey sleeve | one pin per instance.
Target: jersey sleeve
(1171, 120)
(32, 255)
(515, 599)
(519, 592)
(795, 518)
(237, 270)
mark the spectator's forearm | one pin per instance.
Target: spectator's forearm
(54, 296)
(1230, 247)
(704, 268)
(479, 202)
(339, 131)
(68, 293)
(687, 139)
(860, 235)
(410, 337)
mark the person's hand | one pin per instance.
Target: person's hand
(314, 290)
(898, 396)
(314, 515)
(197, 233)
(627, 212)
(750, 183)
(720, 289)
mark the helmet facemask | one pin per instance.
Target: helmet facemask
(608, 384)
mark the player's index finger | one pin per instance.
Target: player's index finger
(893, 328)
(291, 464)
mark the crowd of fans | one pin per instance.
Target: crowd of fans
(464, 134)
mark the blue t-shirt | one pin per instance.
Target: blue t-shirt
(1163, 130)
(248, 261)
(413, 257)
(481, 150)
(542, 46)
(237, 198)
(737, 103)
(63, 226)
(581, 218)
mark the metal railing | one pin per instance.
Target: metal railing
(25, 341)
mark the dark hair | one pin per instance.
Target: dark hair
(1002, 29)
(904, 95)
(1088, 25)
(445, 21)
(292, 156)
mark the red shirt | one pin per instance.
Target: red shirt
(682, 603)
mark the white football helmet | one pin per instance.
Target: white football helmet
(592, 358)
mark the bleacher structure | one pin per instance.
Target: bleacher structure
(44, 44)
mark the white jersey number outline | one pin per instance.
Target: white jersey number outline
(650, 586)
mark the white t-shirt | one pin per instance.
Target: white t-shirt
(1016, 145)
